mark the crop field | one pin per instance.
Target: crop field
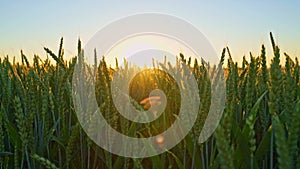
(259, 128)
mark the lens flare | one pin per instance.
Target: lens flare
(160, 139)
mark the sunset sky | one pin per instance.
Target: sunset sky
(243, 26)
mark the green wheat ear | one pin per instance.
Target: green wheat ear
(262, 87)
(293, 134)
(71, 145)
(281, 144)
(251, 85)
(21, 121)
(45, 162)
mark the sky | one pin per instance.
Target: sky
(243, 26)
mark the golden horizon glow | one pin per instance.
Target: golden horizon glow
(130, 46)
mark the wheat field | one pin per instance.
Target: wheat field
(259, 128)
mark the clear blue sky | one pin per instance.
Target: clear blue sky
(242, 25)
